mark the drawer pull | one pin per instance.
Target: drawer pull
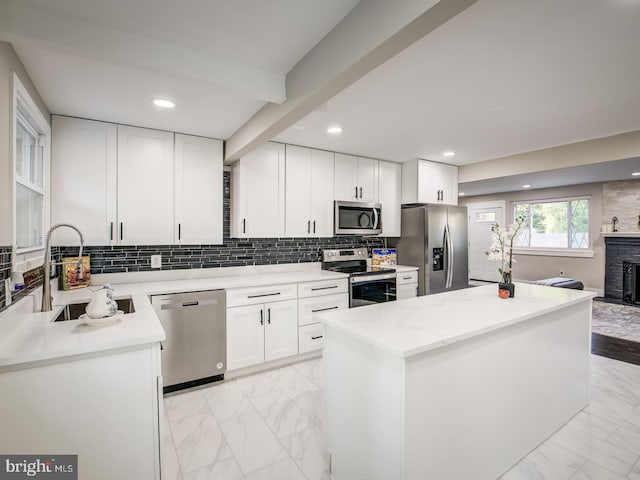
(316, 338)
(407, 278)
(264, 295)
(323, 288)
(324, 309)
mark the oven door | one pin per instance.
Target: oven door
(370, 289)
(357, 218)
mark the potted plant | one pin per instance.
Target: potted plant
(501, 249)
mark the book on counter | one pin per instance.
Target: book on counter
(69, 275)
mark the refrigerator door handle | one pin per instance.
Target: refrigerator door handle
(451, 259)
(449, 253)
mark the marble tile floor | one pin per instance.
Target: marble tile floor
(268, 426)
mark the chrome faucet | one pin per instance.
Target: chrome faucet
(46, 280)
(614, 220)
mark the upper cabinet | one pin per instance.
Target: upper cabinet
(198, 183)
(83, 179)
(429, 182)
(356, 179)
(309, 192)
(145, 186)
(258, 193)
(389, 195)
(116, 184)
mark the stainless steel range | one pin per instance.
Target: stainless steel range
(367, 284)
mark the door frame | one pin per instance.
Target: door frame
(481, 206)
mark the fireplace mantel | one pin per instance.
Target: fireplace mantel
(621, 234)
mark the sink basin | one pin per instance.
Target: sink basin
(72, 311)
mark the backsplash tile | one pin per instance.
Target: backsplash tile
(233, 252)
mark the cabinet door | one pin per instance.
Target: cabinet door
(428, 182)
(408, 290)
(245, 336)
(281, 329)
(258, 181)
(346, 178)
(449, 184)
(198, 190)
(145, 186)
(298, 192)
(389, 194)
(321, 183)
(367, 180)
(83, 180)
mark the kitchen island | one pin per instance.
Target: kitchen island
(458, 385)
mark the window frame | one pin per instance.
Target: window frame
(586, 252)
(25, 110)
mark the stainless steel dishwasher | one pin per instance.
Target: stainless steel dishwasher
(195, 349)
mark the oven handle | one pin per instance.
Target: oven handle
(369, 278)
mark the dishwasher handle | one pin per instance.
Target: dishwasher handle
(194, 303)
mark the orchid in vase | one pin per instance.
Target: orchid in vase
(501, 249)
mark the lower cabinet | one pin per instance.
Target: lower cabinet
(262, 332)
(310, 337)
(406, 284)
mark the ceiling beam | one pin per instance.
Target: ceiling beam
(372, 33)
(22, 23)
(606, 149)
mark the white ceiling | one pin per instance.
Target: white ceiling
(501, 78)
(114, 74)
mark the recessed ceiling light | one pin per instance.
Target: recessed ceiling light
(334, 130)
(526, 186)
(636, 174)
(461, 194)
(163, 103)
(448, 153)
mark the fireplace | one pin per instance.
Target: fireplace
(622, 269)
(630, 282)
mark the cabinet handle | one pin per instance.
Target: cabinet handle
(442, 195)
(324, 309)
(314, 226)
(121, 230)
(308, 226)
(263, 295)
(244, 225)
(360, 193)
(111, 232)
(323, 288)
(261, 317)
(269, 316)
(316, 338)
(356, 192)
(406, 278)
(179, 231)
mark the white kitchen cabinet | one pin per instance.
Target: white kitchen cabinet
(198, 190)
(309, 192)
(356, 179)
(88, 405)
(259, 327)
(83, 180)
(310, 337)
(390, 197)
(406, 284)
(145, 186)
(258, 193)
(424, 181)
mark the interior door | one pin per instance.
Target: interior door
(481, 217)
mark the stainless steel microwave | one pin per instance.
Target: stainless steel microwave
(357, 218)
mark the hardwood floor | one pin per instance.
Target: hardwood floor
(616, 348)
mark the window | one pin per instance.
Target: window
(31, 144)
(562, 223)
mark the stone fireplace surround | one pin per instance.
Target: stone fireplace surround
(618, 251)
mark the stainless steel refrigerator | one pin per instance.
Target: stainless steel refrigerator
(435, 239)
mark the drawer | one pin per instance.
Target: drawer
(406, 277)
(310, 338)
(322, 287)
(407, 290)
(309, 307)
(252, 295)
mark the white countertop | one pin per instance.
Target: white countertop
(412, 326)
(27, 337)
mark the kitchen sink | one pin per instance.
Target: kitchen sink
(72, 311)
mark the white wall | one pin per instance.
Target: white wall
(9, 63)
(535, 267)
(622, 200)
